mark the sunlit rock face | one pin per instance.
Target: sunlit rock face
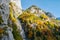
(17, 2)
(16, 8)
(16, 5)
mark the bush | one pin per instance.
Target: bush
(16, 33)
(1, 20)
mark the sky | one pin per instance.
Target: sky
(52, 6)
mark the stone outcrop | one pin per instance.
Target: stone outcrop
(5, 12)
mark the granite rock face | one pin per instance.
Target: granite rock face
(16, 5)
(4, 12)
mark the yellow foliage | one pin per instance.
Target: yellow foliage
(28, 17)
(30, 34)
(52, 24)
(42, 26)
(46, 22)
(11, 16)
(44, 16)
(1, 30)
(39, 22)
(1, 20)
(38, 28)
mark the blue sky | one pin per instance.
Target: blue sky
(52, 6)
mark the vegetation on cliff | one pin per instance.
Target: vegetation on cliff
(37, 28)
(1, 21)
(16, 32)
(42, 27)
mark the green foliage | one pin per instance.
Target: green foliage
(1, 19)
(3, 31)
(16, 33)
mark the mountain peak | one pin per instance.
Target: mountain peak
(34, 6)
(35, 10)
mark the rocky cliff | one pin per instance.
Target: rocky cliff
(9, 11)
(31, 24)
